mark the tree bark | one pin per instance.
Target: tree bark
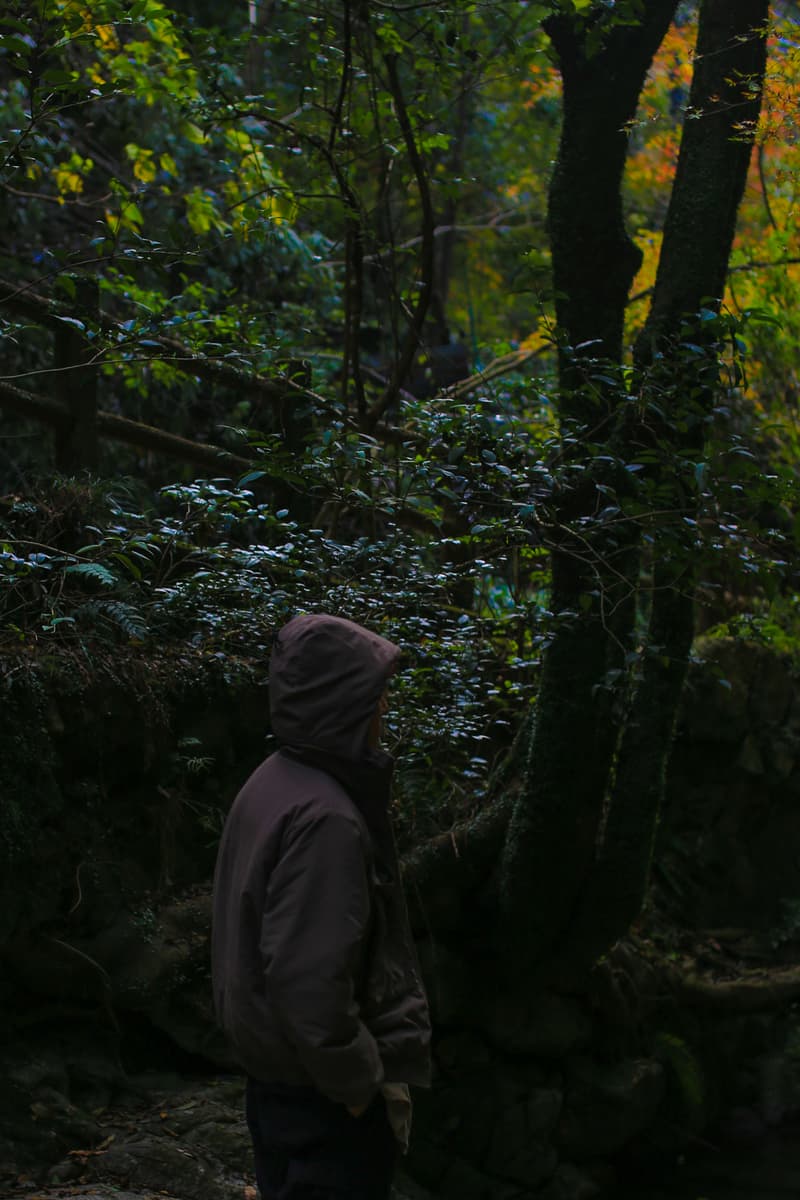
(76, 384)
(716, 147)
(594, 258)
(712, 170)
(553, 829)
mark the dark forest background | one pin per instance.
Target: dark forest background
(474, 323)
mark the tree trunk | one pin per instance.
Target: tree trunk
(76, 383)
(712, 169)
(594, 258)
(716, 147)
(553, 829)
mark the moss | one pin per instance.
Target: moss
(92, 811)
(26, 752)
(777, 627)
(687, 1093)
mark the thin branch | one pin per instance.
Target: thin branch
(344, 83)
(354, 242)
(22, 299)
(491, 224)
(414, 333)
(135, 433)
(764, 189)
(513, 361)
(765, 265)
(71, 202)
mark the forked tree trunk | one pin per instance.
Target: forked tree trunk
(578, 852)
(715, 154)
(553, 828)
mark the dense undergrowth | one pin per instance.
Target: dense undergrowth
(94, 579)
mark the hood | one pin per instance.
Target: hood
(326, 677)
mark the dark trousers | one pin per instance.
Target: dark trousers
(309, 1148)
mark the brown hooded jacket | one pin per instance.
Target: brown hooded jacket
(314, 972)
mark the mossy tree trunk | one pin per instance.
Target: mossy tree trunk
(553, 828)
(578, 850)
(716, 146)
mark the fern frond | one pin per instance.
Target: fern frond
(92, 570)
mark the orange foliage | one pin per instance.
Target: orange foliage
(770, 212)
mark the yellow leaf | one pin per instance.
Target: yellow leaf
(67, 181)
(193, 133)
(144, 168)
(107, 37)
(129, 217)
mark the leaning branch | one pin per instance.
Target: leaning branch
(513, 361)
(749, 993)
(22, 299)
(120, 429)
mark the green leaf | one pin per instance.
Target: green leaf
(15, 45)
(94, 571)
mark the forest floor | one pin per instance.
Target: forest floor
(190, 1142)
(171, 1135)
(185, 1140)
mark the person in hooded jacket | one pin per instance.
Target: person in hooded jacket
(316, 982)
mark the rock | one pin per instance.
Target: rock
(446, 981)
(427, 1160)
(160, 1165)
(546, 1026)
(140, 1088)
(468, 1130)
(509, 1135)
(464, 1182)
(441, 910)
(39, 1067)
(75, 1126)
(157, 964)
(543, 1109)
(532, 1165)
(38, 1122)
(226, 1140)
(464, 1053)
(772, 687)
(64, 1172)
(731, 825)
(405, 1188)
(783, 758)
(606, 1106)
(716, 698)
(26, 1144)
(192, 1143)
(90, 1192)
(750, 758)
(741, 1127)
(570, 1183)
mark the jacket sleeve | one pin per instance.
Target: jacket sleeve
(315, 920)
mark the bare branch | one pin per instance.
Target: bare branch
(134, 433)
(414, 333)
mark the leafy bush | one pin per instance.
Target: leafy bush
(218, 571)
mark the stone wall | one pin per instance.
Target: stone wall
(543, 1095)
(115, 786)
(729, 846)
